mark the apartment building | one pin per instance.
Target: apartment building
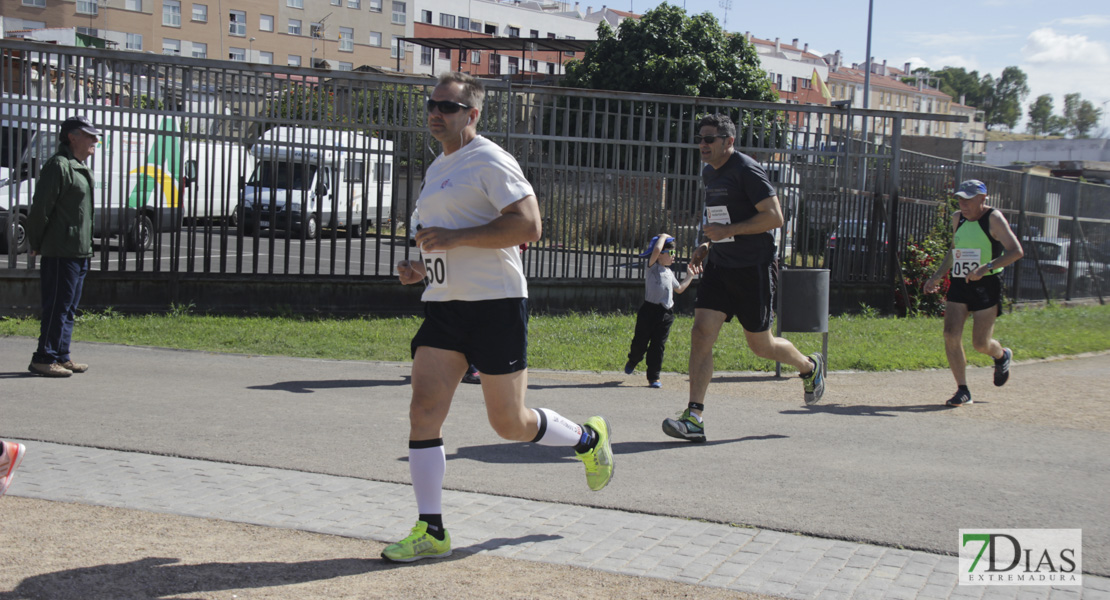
(523, 19)
(888, 92)
(335, 34)
(790, 68)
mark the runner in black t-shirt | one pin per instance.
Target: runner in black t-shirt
(740, 276)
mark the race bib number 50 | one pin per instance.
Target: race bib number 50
(967, 260)
(435, 267)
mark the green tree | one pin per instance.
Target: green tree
(1040, 112)
(1081, 115)
(1009, 91)
(668, 52)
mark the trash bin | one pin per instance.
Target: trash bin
(803, 306)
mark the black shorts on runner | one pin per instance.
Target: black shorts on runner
(977, 295)
(493, 334)
(746, 293)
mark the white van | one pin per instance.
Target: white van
(307, 178)
(149, 175)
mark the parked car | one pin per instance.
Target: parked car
(1050, 256)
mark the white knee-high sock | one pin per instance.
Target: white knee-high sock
(556, 430)
(427, 465)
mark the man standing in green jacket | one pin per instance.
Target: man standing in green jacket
(60, 230)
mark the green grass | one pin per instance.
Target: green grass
(594, 342)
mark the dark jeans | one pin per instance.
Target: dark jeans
(653, 327)
(62, 280)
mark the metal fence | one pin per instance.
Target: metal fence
(610, 169)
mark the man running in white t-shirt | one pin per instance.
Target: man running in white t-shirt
(475, 209)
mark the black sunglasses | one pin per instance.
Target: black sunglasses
(446, 107)
(708, 139)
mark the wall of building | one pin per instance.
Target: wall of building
(1047, 151)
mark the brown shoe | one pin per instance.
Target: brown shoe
(75, 367)
(49, 370)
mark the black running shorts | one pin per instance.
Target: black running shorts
(745, 292)
(977, 295)
(493, 334)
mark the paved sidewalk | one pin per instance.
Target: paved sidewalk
(740, 559)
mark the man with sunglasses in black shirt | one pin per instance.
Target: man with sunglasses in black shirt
(740, 271)
(476, 208)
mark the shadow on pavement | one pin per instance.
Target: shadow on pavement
(525, 453)
(308, 387)
(555, 386)
(159, 577)
(860, 410)
(496, 543)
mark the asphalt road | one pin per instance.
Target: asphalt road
(880, 460)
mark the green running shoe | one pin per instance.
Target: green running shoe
(814, 383)
(686, 427)
(599, 461)
(419, 544)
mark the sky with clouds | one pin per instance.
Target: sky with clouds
(1062, 46)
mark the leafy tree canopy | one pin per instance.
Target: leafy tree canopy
(668, 52)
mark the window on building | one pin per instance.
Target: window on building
(398, 13)
(266, 22)
(514, 65)
(376, 38)
(346, 66)
(491, 29)
(133, 5)
(239, 54)
(514, 31)
(425, 56)
(383, 171)
(464, 23)
(446, 20)
(376, 5)
(346, 39)
(445, 54)
(494, 64)
(293, 60)
(570, 37)
(237, 23)
(86, 7)
(535, 33)
(475, 57)
(534, 66)
(294, 27)
(171, 46)
(171, 13)
(266, 58)
(294, 3)
(396, 47)
(550, 68)
(336, 2)
(134, 41)
(200, 50)
(35, 3)
(200, 13)
(357, 5)
(425, 16)
(476, 26)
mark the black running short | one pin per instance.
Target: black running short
(977, 295)
(493, 334)
(745, 292)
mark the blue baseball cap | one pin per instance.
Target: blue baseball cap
(651, 246)
(971, 188)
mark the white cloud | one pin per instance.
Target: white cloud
(1085, 21)
(1046, 46)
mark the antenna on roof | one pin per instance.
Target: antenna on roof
(727, 5)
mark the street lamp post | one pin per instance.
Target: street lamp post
(250, 50)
